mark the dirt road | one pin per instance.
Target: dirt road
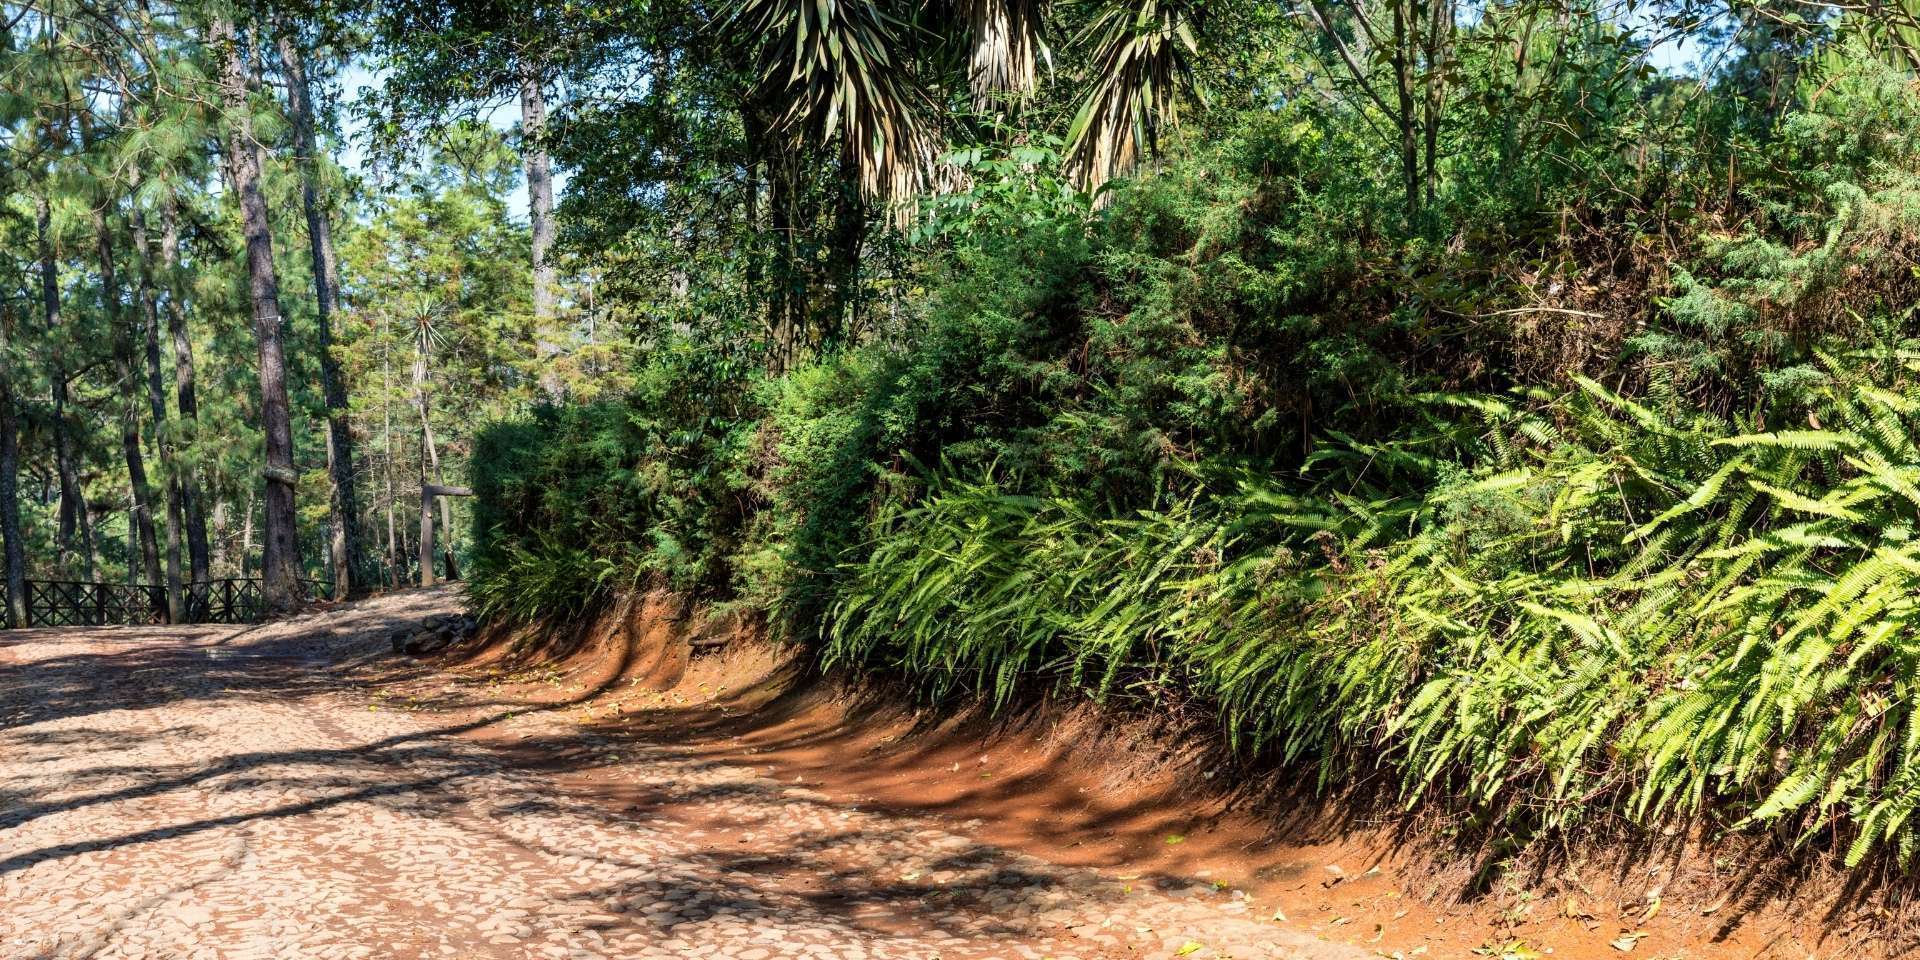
(250, 793)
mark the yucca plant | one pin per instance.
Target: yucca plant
(867, 74)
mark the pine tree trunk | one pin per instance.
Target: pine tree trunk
(15, 552)
(74, 519)
(157, 404)
(133, 535)
(279, 567)
(140, 493)
(192, 507)
(219, 560)
(343, 515)
(246, 539)
(394, 574)
(431, 458)
(539, 170)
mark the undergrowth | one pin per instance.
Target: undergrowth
(1625, 609)
(1616, 522)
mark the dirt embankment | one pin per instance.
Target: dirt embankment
(1087, 787)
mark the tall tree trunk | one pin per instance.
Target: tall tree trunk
(162, 439)
(246, 539)
(786, 306)
(141, 494)
(221, 562)
(393, 544)
(1408, 114)
(133, 535)
(15, 552)
(758, 227)
(430, 457)
(843, 264)
(192, 508)
(157, 404)
(343, 514)
(539, 170)
(279, 567)
(1439, 49)
(682, 230)
(92, 542)
(74, 518)
(394, 575)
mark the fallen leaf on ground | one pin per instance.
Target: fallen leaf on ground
(1510, 950)
(1653, 907)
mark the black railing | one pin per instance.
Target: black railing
(224, 601)
(75, 603)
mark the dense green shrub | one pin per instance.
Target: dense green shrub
(1566, 497)
(1638, 611)
(614, 493)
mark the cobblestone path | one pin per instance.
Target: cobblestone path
(181, 793)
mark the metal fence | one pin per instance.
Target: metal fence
(75, 603)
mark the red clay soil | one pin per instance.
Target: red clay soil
(1078, 787)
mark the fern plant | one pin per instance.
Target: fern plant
(1600, 606)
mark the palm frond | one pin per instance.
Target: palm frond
(839, 68)
(1006, 47)
(1142, 68)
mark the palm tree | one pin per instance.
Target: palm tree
(867, 74)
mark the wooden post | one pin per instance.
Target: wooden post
(427, 492)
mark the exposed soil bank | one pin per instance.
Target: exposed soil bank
(1078, 786)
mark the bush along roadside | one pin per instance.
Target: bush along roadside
(1621, 608)
(1628, 611)
(1233, 438)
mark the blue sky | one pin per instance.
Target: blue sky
(353, 154)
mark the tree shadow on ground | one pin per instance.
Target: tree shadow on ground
(142, 668)
(824, 882)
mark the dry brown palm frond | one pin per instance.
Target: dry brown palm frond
(1006, 46)
(1142, 69)
(838, 67)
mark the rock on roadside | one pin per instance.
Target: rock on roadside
(433, 634)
